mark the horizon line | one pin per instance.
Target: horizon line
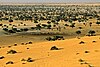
(29, 3)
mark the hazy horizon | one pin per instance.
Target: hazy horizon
(46, 1)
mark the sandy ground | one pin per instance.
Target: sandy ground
(71, 54)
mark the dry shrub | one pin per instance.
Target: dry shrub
(10, 62)
(11, 52)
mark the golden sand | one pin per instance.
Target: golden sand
(71, 54)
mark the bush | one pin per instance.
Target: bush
(78, 32)
(66, 25)
(11, 31)
(10, 62)
(22, 44)
(15, 44)
(49, 38)
(24, 24)
(80, 27)
(33, 28)
(54, 48)
(29, 60)
(11, 52)
(5, 29)
(23, 59)
(10, 20)
(9, 46)
(21, 22)
(93, 41)
(1, 24)
(18, 31)
(91, 32)
(14, 29)
(82, 42)
(30, 42)
(81, 60)
(25, 29)
(1, 57)
(72, 25)
(98, 23)
(57, 37)
(86, 51)
(10, 24)
(22, 29)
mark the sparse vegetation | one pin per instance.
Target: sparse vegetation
(10, 62)
(11, 52)
(36, 23)
(82, 42)
(30, 42)
(93, 41)
(15, 44)
(81, 60)
(57, 37)
(2, 57)
(54, 48)
(28, 60)
(91, 33)
(86, 51)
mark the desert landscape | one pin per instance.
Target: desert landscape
(50, 35)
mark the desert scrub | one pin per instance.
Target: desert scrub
(57, 37)
(22, 44)
(82, 42)
(11, 52)
(86, 51)
(23, 59)
(11, 31)
(10, 62)
(81, 60)
(28, 59)
(14, 29)
(5, 29)
(2, 57)
(93, 41)
(15, 44)
(27, 48)
(90, 65)
(84, 62)
(49, 38)
(54, 48)
(25, 29)
(9, 46)
(30, 42)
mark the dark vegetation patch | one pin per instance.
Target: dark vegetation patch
(82, 42)
(28, 60)
(11, 52)
(86, 51)
(57, 37)
(10, 62)
(2, 57)
(54, 48)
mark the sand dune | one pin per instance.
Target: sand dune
(70, 54)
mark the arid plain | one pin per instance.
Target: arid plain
(50, 35)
